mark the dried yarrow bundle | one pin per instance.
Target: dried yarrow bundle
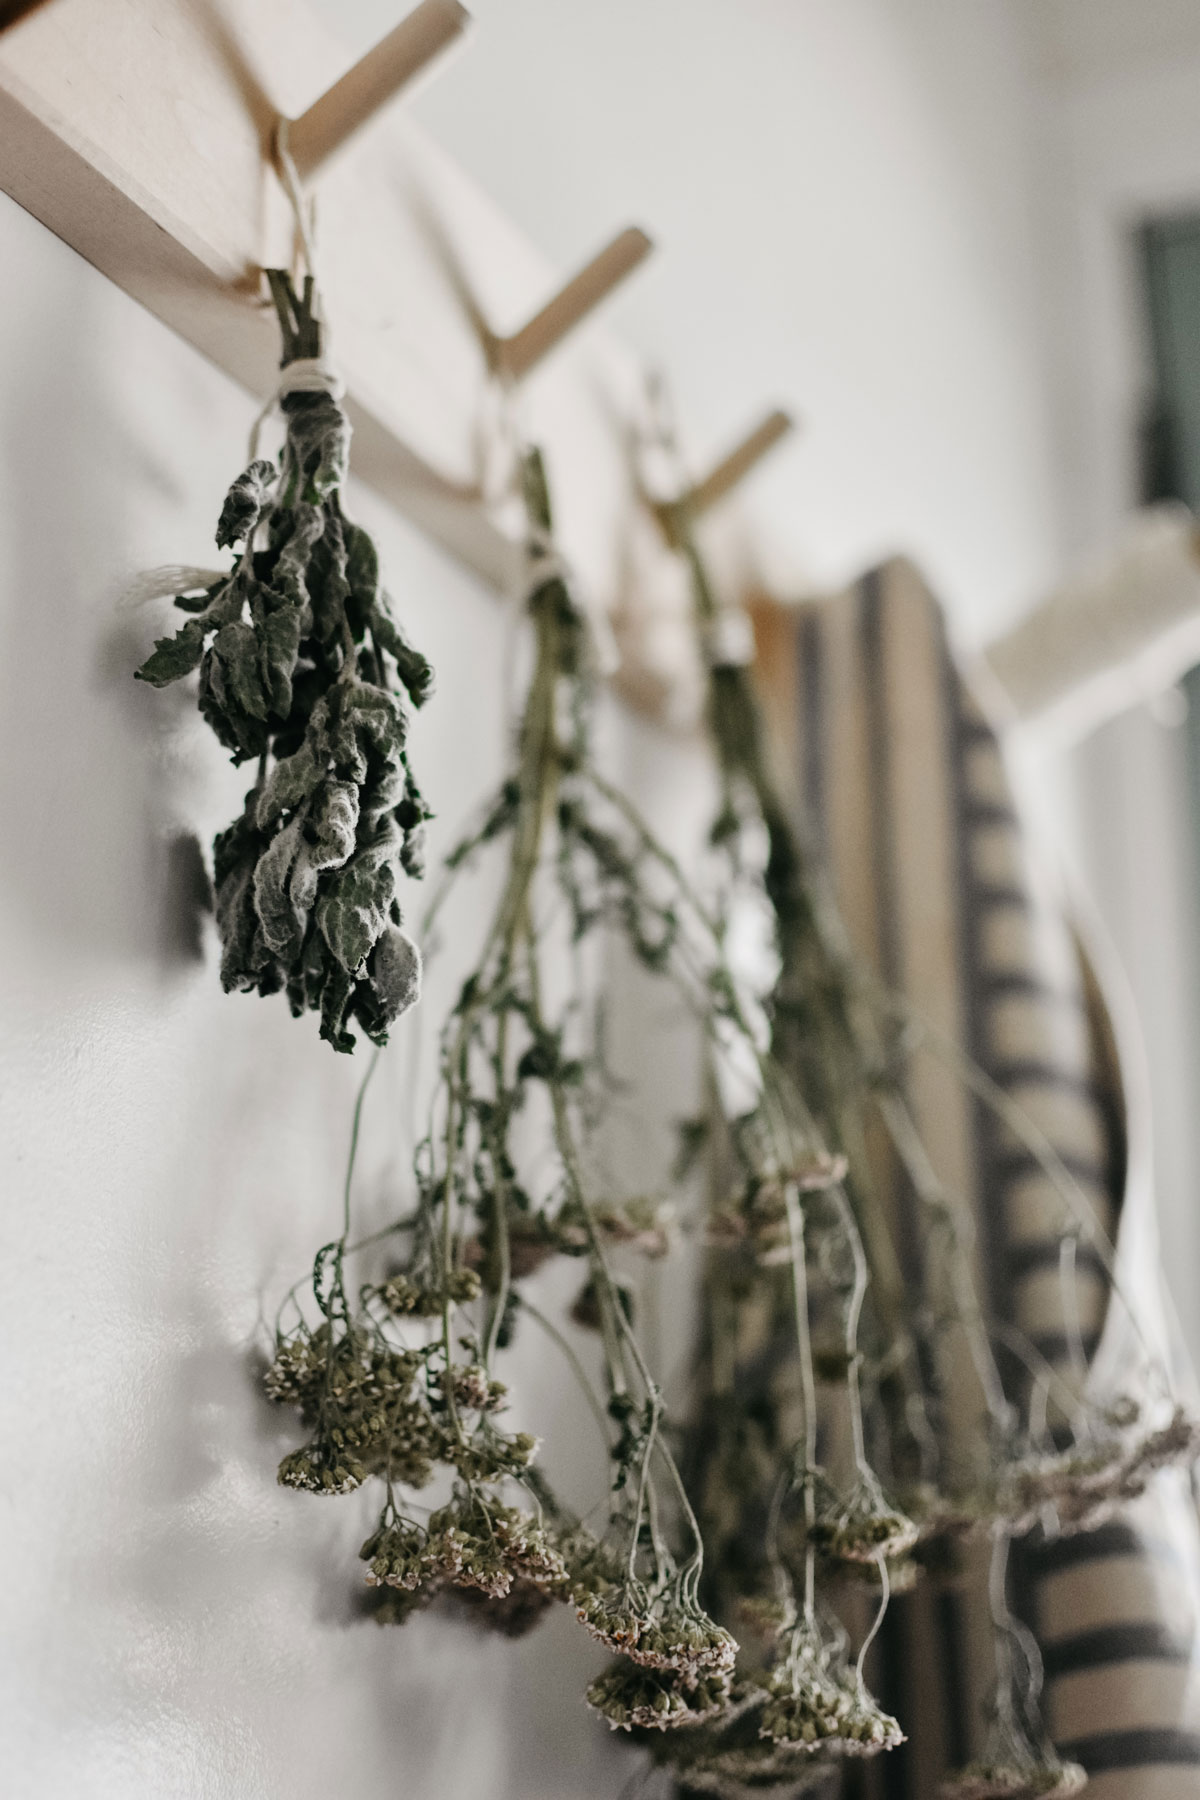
(507, 1177)
(303, 668)
(807, 1270)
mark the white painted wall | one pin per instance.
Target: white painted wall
(840, 192)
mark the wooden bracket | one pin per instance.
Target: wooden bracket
(1113, 635)
(393, 64)
(728, 474)
(513, 357)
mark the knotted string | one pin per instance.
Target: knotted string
(305, 211)
(307, 374)
(728, 637)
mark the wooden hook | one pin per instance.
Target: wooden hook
(346, 107)
(513, 357)
(728, 474)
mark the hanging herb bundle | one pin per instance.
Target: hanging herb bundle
(303, 669)
(773, 1518)
(507, 1177)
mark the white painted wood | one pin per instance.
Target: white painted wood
(1116, 634)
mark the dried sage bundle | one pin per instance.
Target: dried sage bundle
(303, 667)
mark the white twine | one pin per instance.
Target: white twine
(658, 459)
(305, 212)
(308, 374)
(729, 639)
(545, 562)
(168, 579)
(498, 440)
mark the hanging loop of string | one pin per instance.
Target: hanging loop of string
(502, 443)
(499, 445)
(728, 636)
(307, 374)
(303, 209)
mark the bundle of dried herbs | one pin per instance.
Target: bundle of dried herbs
(399, 1383)
(304, 670)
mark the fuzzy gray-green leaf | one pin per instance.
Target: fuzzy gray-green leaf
(279, 637)
(413, 669)
(319, 435)
(353, 909)
(289, 782)
(174, 657)
(282, 913)
(235, 672)
(332, 823)
(245, 504)
(396, 973)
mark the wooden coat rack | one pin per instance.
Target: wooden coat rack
(144, 133)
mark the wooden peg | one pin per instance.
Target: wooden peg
(347, 106)
(732, 470)
(513, 357)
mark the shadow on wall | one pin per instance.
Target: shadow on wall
(98, 858)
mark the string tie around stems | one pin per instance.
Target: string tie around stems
(305, 374)
(729, 639)
(544, 562)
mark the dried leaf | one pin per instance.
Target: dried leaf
(292, 650)
(353, 909)
(175, 657)
(245, 504)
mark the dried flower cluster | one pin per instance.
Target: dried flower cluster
(818, 1703)
(1017, 1780)
(806, 1247)
(303, 667)
(1018, 1761)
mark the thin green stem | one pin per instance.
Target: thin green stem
(363, 1085)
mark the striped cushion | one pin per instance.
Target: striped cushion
(899, 781)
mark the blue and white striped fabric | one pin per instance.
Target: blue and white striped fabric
(900, 781)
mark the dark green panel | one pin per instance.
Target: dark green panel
(1171, 445)
(1172, 261)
